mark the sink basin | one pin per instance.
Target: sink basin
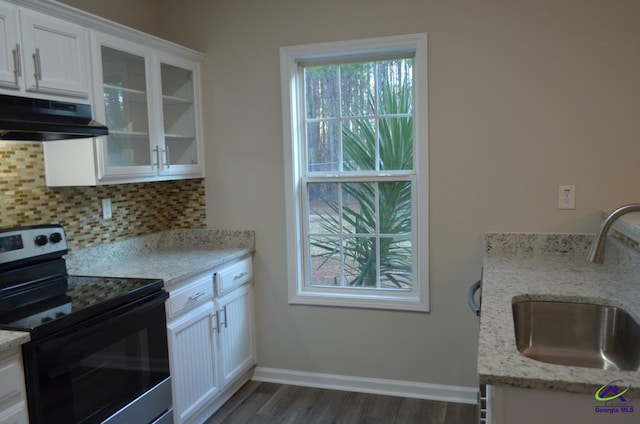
(577, 334)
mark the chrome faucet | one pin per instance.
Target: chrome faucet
(596, 251)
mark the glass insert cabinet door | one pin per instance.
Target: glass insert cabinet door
(180, 150)
(150, 104)
(126, 108)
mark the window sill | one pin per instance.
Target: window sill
(373, 301)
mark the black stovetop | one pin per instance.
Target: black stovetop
(74, 300)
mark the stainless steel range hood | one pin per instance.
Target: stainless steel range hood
(23, 118)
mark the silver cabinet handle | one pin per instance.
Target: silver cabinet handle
(196, 296)
(17, 63)
(239, 276)
(218, 321)
(155, 156)
(225, 317)
(37, 65)
(165, 152)
(470, 297)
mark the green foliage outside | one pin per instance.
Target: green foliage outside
(358, 214)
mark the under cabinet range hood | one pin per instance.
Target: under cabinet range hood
(23, 118)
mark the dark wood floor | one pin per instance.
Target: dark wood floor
(269, 403)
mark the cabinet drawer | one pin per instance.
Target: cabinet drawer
(11, 380)
(17, 414)
(233, 276)
(190, 295)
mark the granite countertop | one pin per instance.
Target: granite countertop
(12, 339)
(173, 256)
(549, 267)
(173, 266)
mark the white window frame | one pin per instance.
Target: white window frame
(416, 299)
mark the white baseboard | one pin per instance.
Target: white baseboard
(410, 389)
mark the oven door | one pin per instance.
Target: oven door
(92, 372)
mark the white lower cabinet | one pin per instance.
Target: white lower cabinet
(508, 405)
(13, 404)
(211, 344)
(237, 350)
(194, 369)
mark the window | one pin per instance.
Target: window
(355, 116)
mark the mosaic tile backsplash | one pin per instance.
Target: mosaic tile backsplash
(138, 209)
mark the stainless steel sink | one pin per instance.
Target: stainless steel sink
(577, 334)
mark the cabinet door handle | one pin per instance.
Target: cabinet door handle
(239, 276)
(37, 65)
(165, 152)
(196, 297)
(218, 321)
(17, 63)
(155, 156)
(214, 323)
(225, 317)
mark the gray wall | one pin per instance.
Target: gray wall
(139, 14)
(523, 96)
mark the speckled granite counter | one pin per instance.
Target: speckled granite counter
(549, 267)
(12, 339)
(174, 255)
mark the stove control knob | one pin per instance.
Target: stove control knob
(55, 237)
(41, 240)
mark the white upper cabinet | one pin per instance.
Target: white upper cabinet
(42, 55)
(10, 63)
(127, 93)
(55, 55)
(150, 105)
(147, 92)
(180, 150)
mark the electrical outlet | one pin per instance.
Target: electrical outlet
(566, 197)
(106, 208)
